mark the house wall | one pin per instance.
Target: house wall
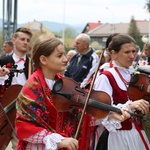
(98, 42)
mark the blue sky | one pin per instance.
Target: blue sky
(80, 11)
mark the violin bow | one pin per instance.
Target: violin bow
(30, 68)
(140, 56)
(88, 96)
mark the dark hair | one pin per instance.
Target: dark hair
(119, 40)
(44, 45)
(109, 39)
(10, 43)
(24, 30)
(147, 45)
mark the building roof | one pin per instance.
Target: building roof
(107, 29)
(90, 26)
(37, 26)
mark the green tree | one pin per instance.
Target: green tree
(69, 35)
(1, 43)
(146, 123)
(147, 5)
(135, 33)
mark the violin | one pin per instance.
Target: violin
(15, 70)
(8, 114)
(68, 95)
(139, 87)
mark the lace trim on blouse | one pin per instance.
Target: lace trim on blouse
(44, 140)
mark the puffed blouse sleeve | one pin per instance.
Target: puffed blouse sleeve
(102, 84)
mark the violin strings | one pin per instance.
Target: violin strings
(103, 106)
(97, 104)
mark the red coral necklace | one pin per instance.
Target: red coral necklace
(121, 77)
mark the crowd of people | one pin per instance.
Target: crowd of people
(39, 124)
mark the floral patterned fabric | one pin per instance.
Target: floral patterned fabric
(35, 110)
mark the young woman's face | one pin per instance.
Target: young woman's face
(126, 55)
(57, 61)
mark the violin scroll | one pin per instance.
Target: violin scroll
(16, 70)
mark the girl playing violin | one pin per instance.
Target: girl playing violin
(39, 125)
(112, 84)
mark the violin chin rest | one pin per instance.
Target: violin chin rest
(57, 86)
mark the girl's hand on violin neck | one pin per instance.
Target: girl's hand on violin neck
(141, 105)
(120, 117)
(4, 71)
(70, 143)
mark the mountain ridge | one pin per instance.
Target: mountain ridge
(53, 26)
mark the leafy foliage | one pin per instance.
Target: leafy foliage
(135, 32)
(147, 5)
(69, 35)
(1, 43)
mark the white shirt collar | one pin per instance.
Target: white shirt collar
(50, 83)
(16, 58)
(129, 70)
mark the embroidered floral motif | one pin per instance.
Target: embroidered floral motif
(31, 104)
(71, 122)
(35, 109)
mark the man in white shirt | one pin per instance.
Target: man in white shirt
(18, 64)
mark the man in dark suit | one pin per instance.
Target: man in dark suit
(82, 63)
(18, 63)
(7, 48)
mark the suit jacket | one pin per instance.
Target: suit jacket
(9, 62)
(79, 71)
(4, 55)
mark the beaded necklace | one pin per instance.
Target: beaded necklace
(126, 83)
